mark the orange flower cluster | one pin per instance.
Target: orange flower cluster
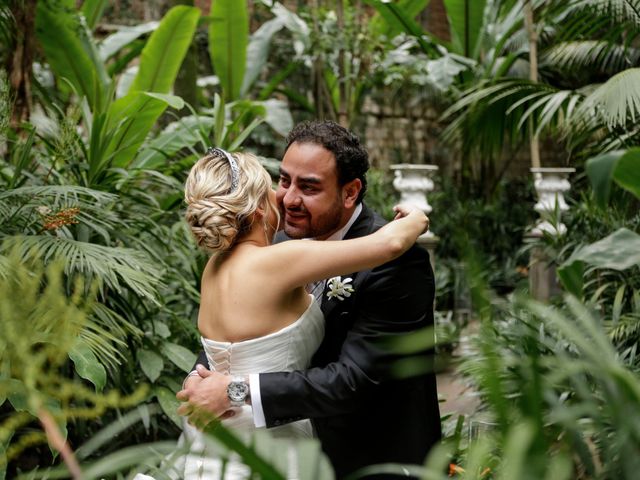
(66, 216)
(456, 469)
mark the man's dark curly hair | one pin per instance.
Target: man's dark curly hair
(352, 160)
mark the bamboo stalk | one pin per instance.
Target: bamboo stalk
(533, 76)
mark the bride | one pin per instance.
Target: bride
(255, 312)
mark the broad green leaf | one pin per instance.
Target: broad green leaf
(620, 166)
(169, 404)
(161, 329)
(297, 26)
(627, 171)
(600, 171)
(572, 277)
(61, 37)
(117, 427)
(172, 100)
(182, 357)
(17, 395)
(151, 363)
(165, 50)
(517, 445)
(87, 365)
(278, 116)
(228, 40)
(258, 51)
(186, 132)
(131, 117)
(399, 20)
(312, 461)
(618, 251)
(391, 27)
(92, 11)
(123, 37)
(111, 465)
(466, 18)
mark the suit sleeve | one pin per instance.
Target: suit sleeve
(201, 360)
(392, 301)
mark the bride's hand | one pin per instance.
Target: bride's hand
(411, 211)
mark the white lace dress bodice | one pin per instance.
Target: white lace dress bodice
(288, 349)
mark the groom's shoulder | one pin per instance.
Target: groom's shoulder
(367, 222)
(281, 237)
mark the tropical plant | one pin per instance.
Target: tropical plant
(586, 95)
(114, 128)
(34, 360)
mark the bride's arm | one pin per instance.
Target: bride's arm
(308, 261)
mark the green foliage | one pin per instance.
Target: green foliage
(621, 167)
(228, 40)
(33, 360)
(467, 18)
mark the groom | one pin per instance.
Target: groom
(363, 411)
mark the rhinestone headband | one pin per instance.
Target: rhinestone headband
(235, 170)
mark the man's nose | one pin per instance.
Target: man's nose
(292, 198)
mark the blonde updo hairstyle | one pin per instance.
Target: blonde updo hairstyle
(217, 215)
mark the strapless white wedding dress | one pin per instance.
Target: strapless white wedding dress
(288, 349)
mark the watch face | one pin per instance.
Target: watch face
(237, 391)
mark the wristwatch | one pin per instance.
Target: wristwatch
(237, 391)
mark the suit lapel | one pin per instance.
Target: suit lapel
(362, 226)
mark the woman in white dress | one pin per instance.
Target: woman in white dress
(255, 313)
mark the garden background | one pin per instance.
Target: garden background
(104, 107)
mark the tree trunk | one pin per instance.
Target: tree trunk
(20, 59)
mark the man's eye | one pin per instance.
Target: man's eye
(308, 189)
(284, 181)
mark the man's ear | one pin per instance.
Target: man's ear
(350, 192)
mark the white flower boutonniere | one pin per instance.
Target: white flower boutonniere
(339, 288)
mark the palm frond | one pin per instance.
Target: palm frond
(596, 55)
(58, 193)
(118, 268)
(617, 100)
(500, 112)
(26, 209)
(620, 11)
(106, 334)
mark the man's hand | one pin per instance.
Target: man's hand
(204, 397)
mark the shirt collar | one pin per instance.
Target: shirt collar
(339, 235)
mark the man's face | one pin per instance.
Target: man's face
(311, 202)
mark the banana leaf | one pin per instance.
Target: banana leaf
(92, 11)
(69, 50)
(389, 26)
(466, 18)
(123, 37)
(133, 115)
(162, 56)
(621, 167)
(228, 40)
(258, 51)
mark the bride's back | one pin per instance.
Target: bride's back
(239, 302)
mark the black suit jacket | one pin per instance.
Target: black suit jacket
(363, 413)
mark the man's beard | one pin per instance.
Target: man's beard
(320, 226)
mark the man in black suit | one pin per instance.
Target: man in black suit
(362, 411)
